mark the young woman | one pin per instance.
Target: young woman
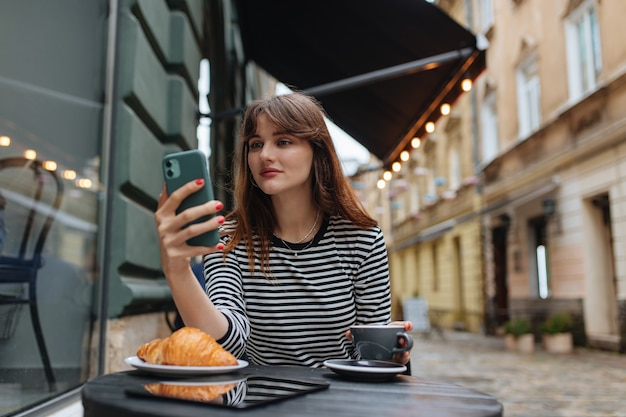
(300, 260)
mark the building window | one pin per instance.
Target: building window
(583, 50)
(431, 186)
(528, 94)
(540, 286)
(414, 196)
(454, 167)
(486, 15)
(489, 127)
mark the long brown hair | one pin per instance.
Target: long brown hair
(302, 116)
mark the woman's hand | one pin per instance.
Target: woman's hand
(401, 358)
(176, 254)
(404, 357)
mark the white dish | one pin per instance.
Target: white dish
(137, 363)
(365, 369)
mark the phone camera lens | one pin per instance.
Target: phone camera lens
(170, 172)
(168, 163)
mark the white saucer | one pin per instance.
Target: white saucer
(365, 369)
(137, 363)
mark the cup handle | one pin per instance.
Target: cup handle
(409, 343)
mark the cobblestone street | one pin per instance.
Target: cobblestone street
(582, 384)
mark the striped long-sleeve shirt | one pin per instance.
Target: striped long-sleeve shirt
(317, 290)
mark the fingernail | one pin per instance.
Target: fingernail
(220, 220)
(200, 181)
(219, 206)
(220, 246)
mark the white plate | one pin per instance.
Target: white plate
(137, 363)
(365, 369)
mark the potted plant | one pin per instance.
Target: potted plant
(518, 336)
(557, 333)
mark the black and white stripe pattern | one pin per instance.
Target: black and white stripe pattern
(300, 315)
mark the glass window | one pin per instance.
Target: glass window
(454, 167)
(540, 286)
(52, 89)
(414, 196)
(529, 111)
(486, 15)
(489, 127)
(431, 187)
(583, 50)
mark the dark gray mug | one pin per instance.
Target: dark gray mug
(379, 342)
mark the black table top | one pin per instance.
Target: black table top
(404, 396)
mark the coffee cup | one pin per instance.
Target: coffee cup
(379, 342)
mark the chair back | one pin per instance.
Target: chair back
(30, 199)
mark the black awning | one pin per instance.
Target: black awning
(381, 68)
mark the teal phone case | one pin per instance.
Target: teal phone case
(178, 169)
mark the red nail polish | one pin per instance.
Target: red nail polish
(219, 206)
(221, 220)
(220, 246)
(199, 181)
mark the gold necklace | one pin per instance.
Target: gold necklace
(295, 253)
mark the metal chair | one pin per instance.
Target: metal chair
(32, 196)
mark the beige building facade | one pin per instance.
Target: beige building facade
(553, 107)
(515, 205)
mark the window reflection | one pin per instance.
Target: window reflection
(52, 89)
(64, 280)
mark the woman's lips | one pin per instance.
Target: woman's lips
(269, 172)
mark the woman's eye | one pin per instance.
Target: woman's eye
(283, 142)
(255, 145)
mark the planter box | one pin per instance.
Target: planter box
(523, 344)
(510, 343)
(526, 343)
(558, 343)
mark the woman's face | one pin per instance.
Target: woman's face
(279, 162)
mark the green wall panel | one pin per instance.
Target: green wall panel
(143, 81)
(155, 114)
(156, 18)
(184, 49)
(194, 10)
(140, 237)
(180, 120)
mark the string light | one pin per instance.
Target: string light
(396, 166)
(49, 166)
(405, 155)
(466, 85)
(416, 142)
(69, 174)
(445, 109)
(380, 184)
(84, 183)
(430, 127)
(387, 175)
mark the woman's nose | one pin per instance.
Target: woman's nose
(267, 152)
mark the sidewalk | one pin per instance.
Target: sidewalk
(587, 383)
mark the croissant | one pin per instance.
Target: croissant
(187, 346)
(205, 393)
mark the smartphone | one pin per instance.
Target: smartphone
(178, 169)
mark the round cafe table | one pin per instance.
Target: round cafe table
(401, 396)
